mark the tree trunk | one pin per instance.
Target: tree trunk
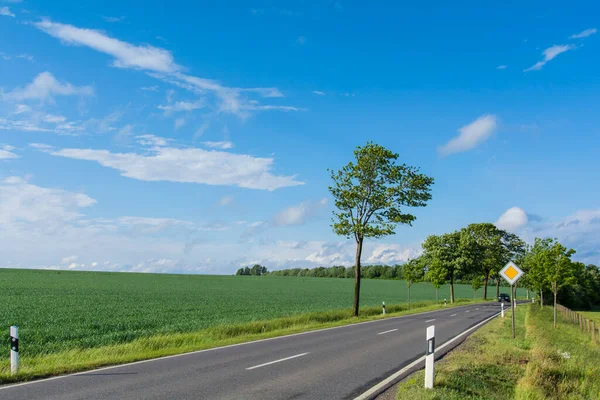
(555, 309)
(497, 286)
(541, 298)
(555, 291)
(452, 289)
(527, 293)
(485, 285)
(409, 296)
(436, 295)
(359, 244)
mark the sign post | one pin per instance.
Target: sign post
(511, 274)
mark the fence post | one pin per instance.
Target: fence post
(593, 332)
(14, 349)
(430, 357)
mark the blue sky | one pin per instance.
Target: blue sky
(155, 138)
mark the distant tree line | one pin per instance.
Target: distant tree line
(475, 255)
(255, 270)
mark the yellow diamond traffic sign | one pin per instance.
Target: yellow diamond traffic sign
(511, 273)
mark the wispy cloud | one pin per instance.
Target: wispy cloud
(501, 67)
(301, 40)
(149, 88)
(219, 145)
(319, 92)
(470, 136)
(299, 214)
(183, 106)
(6, 152)
(195, 165)
(584, 34)
(159, 63)
(126, 55)
(113, 19)
(6, 12)
(44, 87)
(549, 54)
(225, 200)
(179, 122)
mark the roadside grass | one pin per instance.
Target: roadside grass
(541, 363)
(75, 360)
(486, 366)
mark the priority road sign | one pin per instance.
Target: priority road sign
(511, 273)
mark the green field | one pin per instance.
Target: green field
(59, 311)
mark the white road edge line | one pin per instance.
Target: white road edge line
(366, 395)
(468, 311)
(431, 320)
(391, 330)
(3, 387)
(276, 361)
(453, 315)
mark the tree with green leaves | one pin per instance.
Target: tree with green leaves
(436, 274)
(444, 253)
(476, 283)
(488, 249)
(560, 269)
(414, 271)
(370, 194)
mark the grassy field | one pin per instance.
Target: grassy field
(541, 363)
(66, 316)
(593, 315)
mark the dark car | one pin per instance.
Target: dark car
(504, 298)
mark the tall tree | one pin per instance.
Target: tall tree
(445, 252)
(414, 271)
(436, 274)
(369, 195)
(488, 249)
(560, 269)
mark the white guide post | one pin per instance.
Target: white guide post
(502, 307)
(383, 305)
(14, 349)
(430, 357)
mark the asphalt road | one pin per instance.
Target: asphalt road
(337, 363)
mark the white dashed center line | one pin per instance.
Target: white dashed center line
(453, 315)
(276, 361)
(391, 330)
(431, 320)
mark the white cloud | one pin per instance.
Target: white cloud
(512, 219)
(584, 34)
(470, 135)
(54, 119)
(225, 200)
(390, 254)
(501, 67)
(159, 63)
(189, 165)
(126, 55)
(22, 108)
(6, 12)
(6, 152)
(319, 92)
(549, 54)
(298, 214)
(113, 19)
(150, 88)
(41, 146)
(151, 140)
(44, 87)
(219, 145)
(179, 122)
(21, 201)
(183, 106)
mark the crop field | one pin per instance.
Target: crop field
(58, 311)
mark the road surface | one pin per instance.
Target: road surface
(335, 363)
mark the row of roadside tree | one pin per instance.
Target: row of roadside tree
(476, 254)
